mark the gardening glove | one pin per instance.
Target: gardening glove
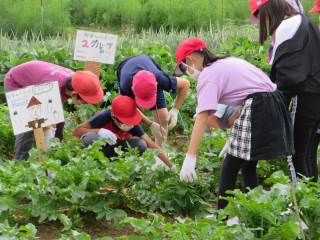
(188, 172)
(108, 136)
(173, 118)
(159, 163)
(158, 131)
(224, 150)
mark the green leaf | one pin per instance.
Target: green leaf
(66, 221)
(7, 203)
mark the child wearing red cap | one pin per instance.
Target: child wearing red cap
(119, 127)
(81, 86)
(316, 8)
(263, 129)
(141, 78)
(296, 71)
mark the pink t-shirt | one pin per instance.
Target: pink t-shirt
(34, 73)
(229, 81)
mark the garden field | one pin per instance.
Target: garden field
(76, 193)
(52, 17)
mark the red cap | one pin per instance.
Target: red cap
(144, 87)
(316, 8)
(255, 5)
(87, 85)
(189, 46)
(124, 108)
(186, 48)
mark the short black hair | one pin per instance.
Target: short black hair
(69, 84)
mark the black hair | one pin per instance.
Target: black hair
(271, 15)
(209, 57)
(69, 84)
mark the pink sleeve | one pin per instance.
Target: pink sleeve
(207, 96)
(9, 83)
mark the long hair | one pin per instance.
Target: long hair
(271, 15)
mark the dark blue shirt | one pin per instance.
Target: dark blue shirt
(129, 67)
(103, 119)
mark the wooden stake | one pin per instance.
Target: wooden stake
(39, 137)
(93, 67)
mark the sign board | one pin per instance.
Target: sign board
(36, 106)
(95, 47)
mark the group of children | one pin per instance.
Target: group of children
(230, 93)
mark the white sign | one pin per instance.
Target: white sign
(35, 106)
(95, 47)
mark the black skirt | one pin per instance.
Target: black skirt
(263, 130)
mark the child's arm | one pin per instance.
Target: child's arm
(83, 129)
(151, 144)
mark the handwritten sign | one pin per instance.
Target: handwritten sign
(95, 47)
(35, 107)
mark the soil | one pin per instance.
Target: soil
(95, 228)
(49, 230)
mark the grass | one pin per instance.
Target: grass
(215, 35)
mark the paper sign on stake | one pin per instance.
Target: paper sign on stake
(34, 107)
(95, 47)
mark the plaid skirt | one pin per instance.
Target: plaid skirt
(264, 130)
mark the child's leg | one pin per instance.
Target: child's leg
(59, 131)
(230, 168)
(89, 138)
(249, 174)
(313, 160)
(138, 143)
(23, 143)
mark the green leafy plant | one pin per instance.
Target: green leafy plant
(6, 134)
(23, 232)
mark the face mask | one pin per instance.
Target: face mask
(196, 73)
(122, 126)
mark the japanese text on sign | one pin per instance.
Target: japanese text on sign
(95, 47)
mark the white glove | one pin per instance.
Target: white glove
(159, 164)
(224, 150)
(173, 118)
(157, 133)
(108, 136)
(49, 134)
(188, 172)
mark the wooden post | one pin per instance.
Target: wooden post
(93, 67)
(39, 137)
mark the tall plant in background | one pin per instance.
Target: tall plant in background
(48, 17)
(112, 14)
